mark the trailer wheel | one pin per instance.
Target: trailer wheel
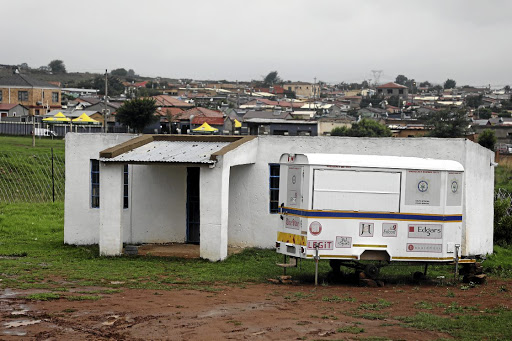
(335, 265)
(371, 271)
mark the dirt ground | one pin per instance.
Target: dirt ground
(250, 312)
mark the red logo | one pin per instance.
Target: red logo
(411, 228)
(411, 247)
(315, 228)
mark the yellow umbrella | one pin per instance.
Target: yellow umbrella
(237, 124)
(57, 118)
(205, 127)
(84, 119)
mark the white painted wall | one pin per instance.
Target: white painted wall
(111, 232)
(250, 224)
(81, 222)
(157, 210)
(157, 207)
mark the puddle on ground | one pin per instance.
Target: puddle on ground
(20, 323)
(14, 332)
(19, 312)
(8, 293)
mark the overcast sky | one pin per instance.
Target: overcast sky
(334, 41)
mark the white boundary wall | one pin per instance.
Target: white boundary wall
(250, 223)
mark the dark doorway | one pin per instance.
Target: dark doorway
(193, 205)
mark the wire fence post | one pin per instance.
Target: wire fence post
(53, 181)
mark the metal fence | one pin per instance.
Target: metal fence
(25, 128)
(31, 178)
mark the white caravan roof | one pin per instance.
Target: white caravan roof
(373, 161)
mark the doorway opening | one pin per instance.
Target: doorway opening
(193, 215)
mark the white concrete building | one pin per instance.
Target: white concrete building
(219, 190)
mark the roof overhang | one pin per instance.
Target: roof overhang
(173, 149)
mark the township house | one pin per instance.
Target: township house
(37, 96)
(222, 191)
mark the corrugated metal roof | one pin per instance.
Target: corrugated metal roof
(171, 151)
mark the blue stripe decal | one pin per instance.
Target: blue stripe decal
(369, 215)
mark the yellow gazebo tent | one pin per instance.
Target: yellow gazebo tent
(237, 124)
(84, 119)
(205, 128)
(57, 118)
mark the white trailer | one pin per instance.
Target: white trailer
(370, 207)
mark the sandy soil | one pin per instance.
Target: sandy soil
(251, 312)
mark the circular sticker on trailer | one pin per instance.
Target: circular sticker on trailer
(410, 247)
(455, 186)
(315, 228)
(422, 186)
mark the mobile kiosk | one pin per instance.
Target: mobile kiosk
(348, 208)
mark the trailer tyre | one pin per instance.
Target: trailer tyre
(371, 271)
(335, 265)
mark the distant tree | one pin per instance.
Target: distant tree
(339, 131)
(137, 113)
(446, 123)
(484, 113)
(57, 66)
(271, 79)
(507, 88)
(506, 105)
(121, 72)
(363, 128)
(115, 87)
(131, 73)
(487, 139)
(438, 89)
(425, 84)
(394, 101)
(450, 84)
(365, 84)
(374, 100)
(147, 92)
(474, 101)
(401, 79)
(354, 86)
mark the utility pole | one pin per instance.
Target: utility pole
(314, 90)
(34, 129)
(105, 103)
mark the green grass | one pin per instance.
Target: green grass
(503, 178)
(46, 296)
(26, 171)
(500, 262)
(22, 145)
(464, 326)
(351, 330)
(33, 255)
(36, 232)
(83, 298)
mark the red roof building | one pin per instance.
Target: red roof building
(391, 85)
(169, 101)
(199, 112)
(393, 89)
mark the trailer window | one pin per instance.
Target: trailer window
(356, 191)
(274, 187)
